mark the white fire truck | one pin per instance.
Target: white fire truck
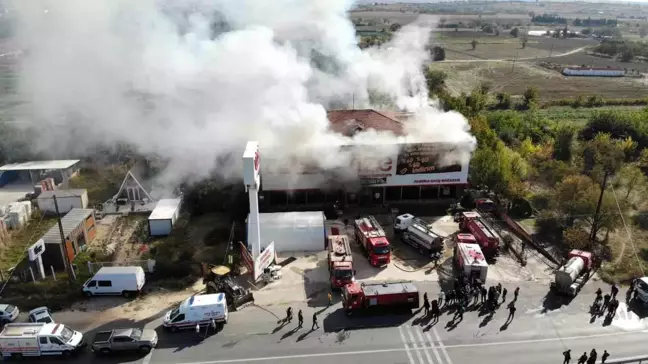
(39, 339)
(470, 259)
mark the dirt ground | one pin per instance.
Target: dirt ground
(514, 79)
(116, 236)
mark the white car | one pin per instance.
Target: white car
(8, 313)
(41, 315)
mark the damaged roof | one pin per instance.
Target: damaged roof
(350, 122)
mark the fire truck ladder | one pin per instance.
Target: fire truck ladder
(376, 231)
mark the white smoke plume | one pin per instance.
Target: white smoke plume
(193, 80)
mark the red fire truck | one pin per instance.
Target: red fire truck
(487, 238)
(340, 261)
(361, 296)
(372, 237)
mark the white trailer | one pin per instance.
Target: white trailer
(163, 217)
(66, 200)
(39, 339)
(470, 259)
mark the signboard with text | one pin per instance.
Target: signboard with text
(418, 164)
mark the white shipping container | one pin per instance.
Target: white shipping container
(66, 200)
(163, 217)
(293, 231)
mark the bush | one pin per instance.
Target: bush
(520, 207)
(550, 225)
(541, 201)
(641, 219)
(576, 238)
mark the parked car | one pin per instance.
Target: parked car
(41, 315)
(8, 313)
(131, 339)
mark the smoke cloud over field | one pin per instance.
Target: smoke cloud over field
(193, 80)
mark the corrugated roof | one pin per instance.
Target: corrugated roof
(70, 222)
(62, 193)
(165, 209)
(40, 165)
(348, 122)
(593, 69)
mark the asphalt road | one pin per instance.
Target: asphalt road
(539, 333)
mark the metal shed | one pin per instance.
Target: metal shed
(66, 200)
(78, 230)
(163, 217)
(293, 231)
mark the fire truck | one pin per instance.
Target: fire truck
(340, 261)
(367, 297)
(372, 237)
(487, 238)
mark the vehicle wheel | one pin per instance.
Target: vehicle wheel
(126, 294)
(105, 351)
(145, 349)
(66, 353)
(87, 294)
(173, 329)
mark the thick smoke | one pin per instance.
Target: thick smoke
(193, 80)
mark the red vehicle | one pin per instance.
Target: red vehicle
(357, 296)
(340, 261)
(573, 275)
(372, 237)
(466, 239)
(487, 238)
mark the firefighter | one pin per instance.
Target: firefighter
(300, 319)
(592, 357)
(459, 313)
(567, 355)
(614, 290)
(599, 295)
(330, 298)
(441, 298)
(516, 293)
(606, 301)
(499, 288)
(504, 291)
(315, 324)
(604, 356)
(582, 359)
(511, 315)
(426, 305)
(289, 314)
(435, 309)
(483, 292)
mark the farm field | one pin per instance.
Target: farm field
(514, 79)
(577, 116)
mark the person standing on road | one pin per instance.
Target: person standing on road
(614, 290)
(441, 298)
(582, 359)
(435, 309)
(504, 291)
(516, 293)
(315, 324)
(426, 306)
(567, 355)
(483, 292)
(289, 314)
(511, 315)
(300, 319)
(499, 288)
(330, 298)
(599, 295)
(592, 357)
(604, 356)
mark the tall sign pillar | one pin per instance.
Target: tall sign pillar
(252, 183)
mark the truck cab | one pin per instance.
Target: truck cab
(340, 261)
(352, 296)
(342, 273)
(372, 237)
(402, 222)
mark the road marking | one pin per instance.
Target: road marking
(434, 349)
(441, 347)
(425, 348)
(416, 348)
(407, 350)
(395, 350)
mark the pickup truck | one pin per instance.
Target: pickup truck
(132, 339)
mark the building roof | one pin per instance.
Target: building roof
(70, 221)
(593, 69)
(62, 193)
(295, 218)
(40, 165)
(138, 174)
(165, 209)
(349, 122)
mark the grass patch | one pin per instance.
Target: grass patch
(629, 265)
(13, 252)
(102, 184)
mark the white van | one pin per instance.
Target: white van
(197, 310)
(125, 281)
(38, 339)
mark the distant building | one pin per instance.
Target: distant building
(593, 72)
(65, 199)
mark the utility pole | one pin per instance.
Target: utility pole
(598, 208)
(66, 258)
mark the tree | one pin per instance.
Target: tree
(643, 31)
(394, 27)
(435, 80)
(515, 32)
(575, 198)
(503, 100)
(576, 238)
(524, 39)
(627, 55)
(632, 179)
(562, 148)
(473, 44)
(498, 168)
(531, 97)
(438, 53)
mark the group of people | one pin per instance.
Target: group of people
(300, 319)
(465, 292)
(605, 303)
(584, 359)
